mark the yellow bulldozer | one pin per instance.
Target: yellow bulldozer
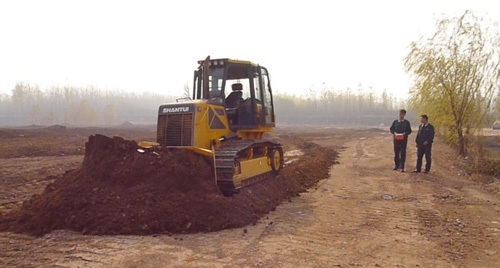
(230, 109)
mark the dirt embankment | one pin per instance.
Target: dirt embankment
(118, 190)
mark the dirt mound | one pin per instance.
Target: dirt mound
(57, 128)
(119, 190)
(126, 124)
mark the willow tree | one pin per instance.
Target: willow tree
(456, 74)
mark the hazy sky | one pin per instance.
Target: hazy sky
(154, 45)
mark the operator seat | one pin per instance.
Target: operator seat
(233, 102)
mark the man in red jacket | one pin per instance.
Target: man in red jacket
(400, 130)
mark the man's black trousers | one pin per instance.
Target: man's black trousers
(400, 153)
(421, 151)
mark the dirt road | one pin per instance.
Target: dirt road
(365, 214)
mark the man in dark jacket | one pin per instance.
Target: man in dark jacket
(400, 130)
(424, 140)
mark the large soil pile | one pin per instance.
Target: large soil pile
(119, 190)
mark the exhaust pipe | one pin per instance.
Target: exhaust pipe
(206, 74)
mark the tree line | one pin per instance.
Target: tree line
(69, 105)
(338, 107)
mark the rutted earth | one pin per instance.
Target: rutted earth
(364, 214)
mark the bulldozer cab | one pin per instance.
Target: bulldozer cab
(241, 87)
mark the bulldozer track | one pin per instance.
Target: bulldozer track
(226, 158)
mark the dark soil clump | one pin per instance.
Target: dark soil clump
(119, 190)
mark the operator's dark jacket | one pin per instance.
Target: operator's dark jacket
(425, 134)
(401, 127)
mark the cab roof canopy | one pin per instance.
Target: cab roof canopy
(221, 62)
